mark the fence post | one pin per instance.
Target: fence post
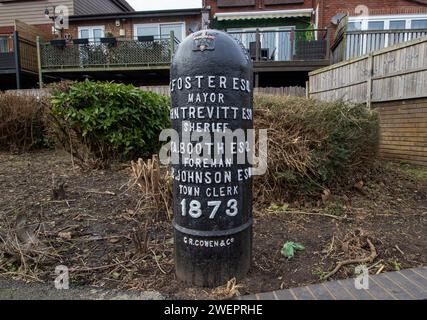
(328, 44)
(39, 62)
(307, 89)
(17, 59)
(257, 45)
(369, 80)
(172, 43)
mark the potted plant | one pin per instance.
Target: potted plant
(109, 39)
(58, 43)
(81, 41)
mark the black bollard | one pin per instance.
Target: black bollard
(212, 93)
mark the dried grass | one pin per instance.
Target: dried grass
(312, 145)
(20, 122)
(155, 184)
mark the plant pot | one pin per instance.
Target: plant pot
(146, 38)
(81, 41)
(58, 43)
(109, 40)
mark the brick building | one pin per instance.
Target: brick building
(285, 38)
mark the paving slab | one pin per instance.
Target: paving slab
(16, 290)
(408, 284)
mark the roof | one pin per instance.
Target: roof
(263, 14)
(137, 14)
(94, 7)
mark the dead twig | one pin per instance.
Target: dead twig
(319, 214)
(340, 264)
(109, 193)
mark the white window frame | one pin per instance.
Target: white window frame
(386, 19)
(158, 25)
(277, 40)
(90, 28)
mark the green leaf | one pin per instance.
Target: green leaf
(289, 249)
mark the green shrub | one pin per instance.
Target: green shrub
(314, 145)
(105, 121)
(21, 125)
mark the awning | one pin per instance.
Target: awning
(249, 15)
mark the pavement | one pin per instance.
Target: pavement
(410, 284)
(15, 290)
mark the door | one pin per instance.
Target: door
(94, 53)
(285, 44)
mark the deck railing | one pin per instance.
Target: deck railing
(284, 45)
(127, 53)
(351, 44)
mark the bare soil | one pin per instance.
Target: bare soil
(108, 237)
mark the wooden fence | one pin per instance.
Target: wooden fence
(162, 90)
(394, 82)
(283, 91)
(398, 72)
(280, 91)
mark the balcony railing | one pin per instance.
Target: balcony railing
(285, 45)
(120, 53)
(352, 44)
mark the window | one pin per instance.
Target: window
(398, 25)
(382, 31)
(161, 30)
(165, 30)
(4, 44)
(419, 24)
(354, 26)
(93, 33)
(376, 25)
(147, 31)
(276, 42)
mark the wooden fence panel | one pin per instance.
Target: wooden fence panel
(392, 80)
(283, 91)
(398, 72)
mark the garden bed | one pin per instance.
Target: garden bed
(107, 237)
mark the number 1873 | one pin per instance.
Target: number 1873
(194, 208)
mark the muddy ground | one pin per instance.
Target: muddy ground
(108, 237)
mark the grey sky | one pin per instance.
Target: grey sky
(141, 5)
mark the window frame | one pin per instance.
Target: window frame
(387, 19)
(91, 29)
(158, 25)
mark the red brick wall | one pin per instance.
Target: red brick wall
(328, 8)
(376, 7)
(260, 6)
(110, 25)
(45, 27)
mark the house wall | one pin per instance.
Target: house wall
(30, 11)
(329, 8)
(193, 22)
(260, 5)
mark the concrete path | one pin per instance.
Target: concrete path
(15, 290)
(408, 284)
